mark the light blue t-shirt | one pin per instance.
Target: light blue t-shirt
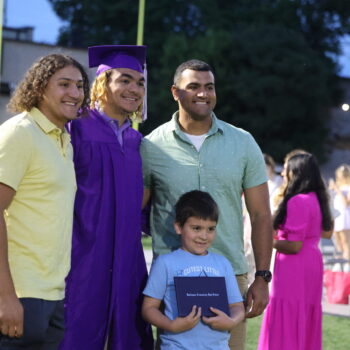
(160, 286)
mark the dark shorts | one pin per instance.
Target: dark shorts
(43, 326)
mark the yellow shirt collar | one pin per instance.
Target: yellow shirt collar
(45, 124)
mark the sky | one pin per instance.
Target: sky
(40, 15)
(33, 13)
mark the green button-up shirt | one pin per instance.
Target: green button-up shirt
(228, 161)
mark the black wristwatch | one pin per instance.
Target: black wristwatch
(265, 274)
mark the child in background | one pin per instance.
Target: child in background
(341, 188)
(196, 219)
(274, 180)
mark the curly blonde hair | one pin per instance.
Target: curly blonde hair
(98, 95)
(30, 90)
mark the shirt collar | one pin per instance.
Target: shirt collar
(215, 126)
(44, 123)
(110, 120)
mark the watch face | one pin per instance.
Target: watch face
(268, 276)
(265, 274)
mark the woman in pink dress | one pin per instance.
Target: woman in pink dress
(293, 318)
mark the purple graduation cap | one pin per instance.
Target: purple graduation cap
(117, 56)
(107, 57)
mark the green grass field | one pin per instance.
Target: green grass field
(336, 330)
(147, 242)
(335, 333)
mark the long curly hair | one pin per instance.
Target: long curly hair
(98, 95)
(304, 176)
(30, 90)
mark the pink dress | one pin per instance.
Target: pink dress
(293, 318)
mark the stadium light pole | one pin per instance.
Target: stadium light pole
(139, 39)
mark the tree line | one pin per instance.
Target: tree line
(274, 60)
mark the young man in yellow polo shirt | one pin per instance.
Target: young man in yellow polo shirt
(37, 189)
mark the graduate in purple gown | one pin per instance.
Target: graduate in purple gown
(108, 273)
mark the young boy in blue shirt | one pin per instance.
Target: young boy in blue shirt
(196, 218)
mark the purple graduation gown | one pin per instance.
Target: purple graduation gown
(108, 273)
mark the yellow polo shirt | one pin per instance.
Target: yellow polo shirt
(36, 161)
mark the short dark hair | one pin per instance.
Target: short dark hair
(194, 64)
(198, 204)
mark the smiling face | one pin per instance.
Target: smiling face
(125, 92)
(63, 96)
(195, 93)
(197, 235)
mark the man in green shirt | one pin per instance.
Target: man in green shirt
(195, 150)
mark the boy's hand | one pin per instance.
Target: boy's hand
(181, 324)
(221, 322)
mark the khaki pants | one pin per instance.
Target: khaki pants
(239, 333)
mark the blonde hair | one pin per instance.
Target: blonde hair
(98, 95)
(342, 175)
